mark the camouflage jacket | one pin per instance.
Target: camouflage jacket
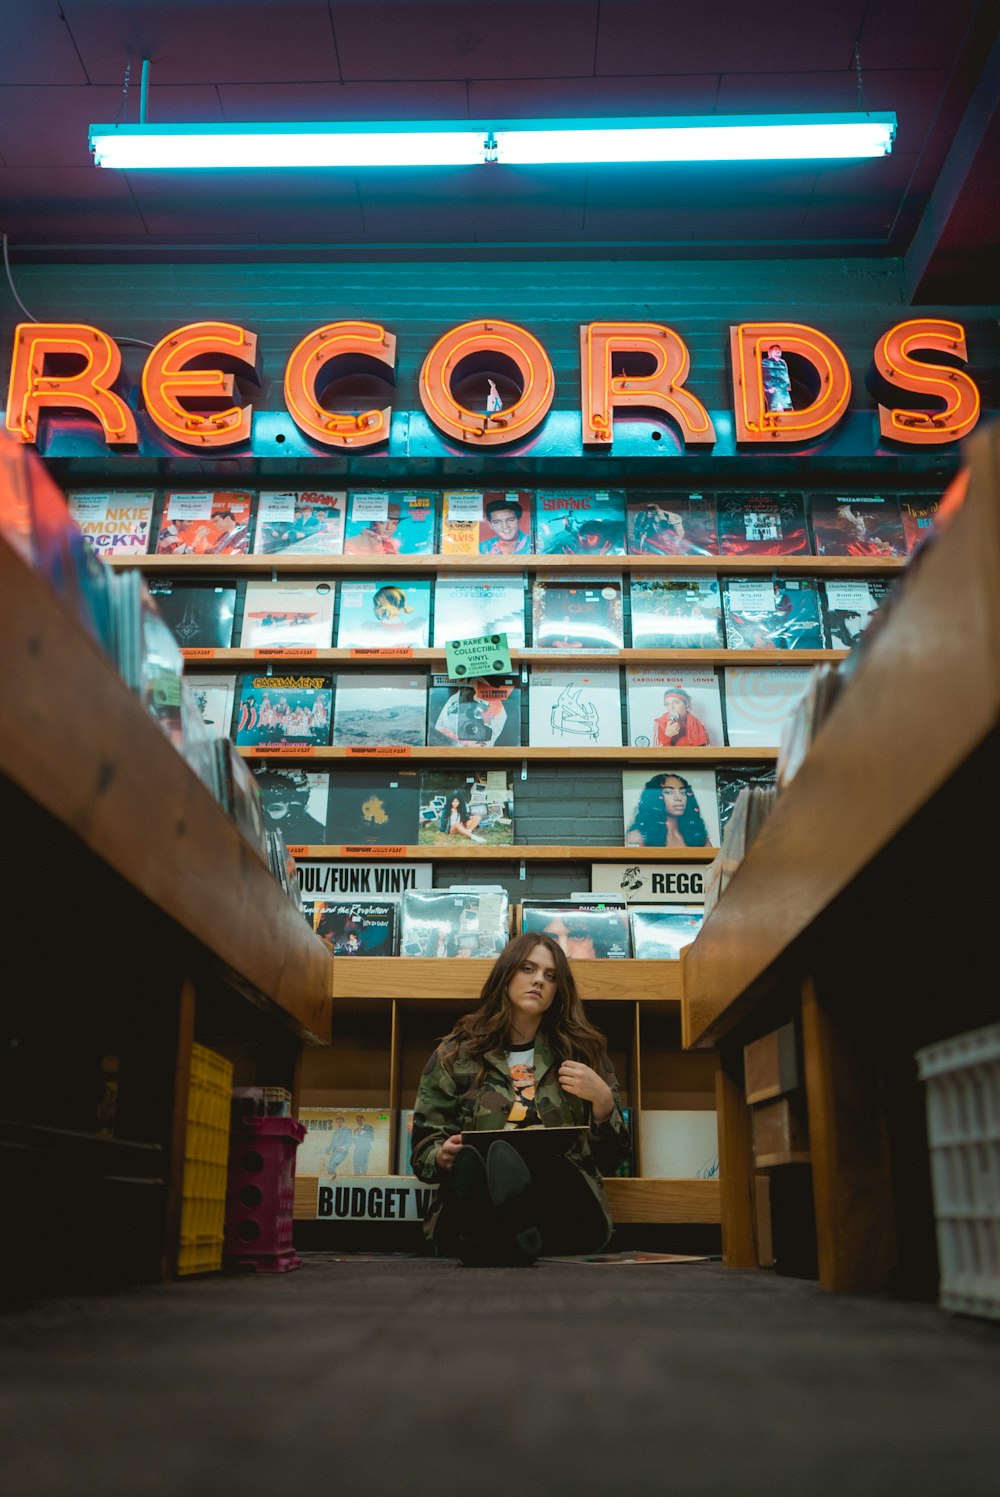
(449, 1100)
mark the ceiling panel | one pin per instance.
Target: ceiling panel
(64, 203)
(552, 98)
(214, 206)
(204, 41)
(913, 33)
(385, 39)
(37, 47)
(418, 100)
(675, 36)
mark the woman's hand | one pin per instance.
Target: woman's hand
(583, 1081)
(447, 1151)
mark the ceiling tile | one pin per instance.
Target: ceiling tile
(675, 36)
(344, 101)
(66, 203)
(193, 41)
(386, 39)
(553, 98)
(245, 206)
(902, 34)
(37, 47)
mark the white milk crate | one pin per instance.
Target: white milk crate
(963, 1124)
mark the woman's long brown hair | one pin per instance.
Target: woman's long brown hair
(565, 1024)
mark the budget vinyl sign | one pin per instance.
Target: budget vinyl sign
(790, 387)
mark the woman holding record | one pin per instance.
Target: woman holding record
(526, 1057)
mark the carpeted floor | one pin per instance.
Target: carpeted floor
(413, 1377)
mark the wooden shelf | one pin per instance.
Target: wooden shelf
(432, 979)
(377, 565)
(634, 1200)
(872, 767)
(435, 659)
(81, 746)
(463, 851)
(511, 755)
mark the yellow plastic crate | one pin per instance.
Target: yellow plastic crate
(206, 1161)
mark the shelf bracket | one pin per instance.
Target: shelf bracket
(524, 769)
(521, 874)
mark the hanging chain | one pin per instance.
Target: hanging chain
(861, 88)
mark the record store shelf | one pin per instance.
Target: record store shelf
(435, 978)
(509, 754)
(551, 659)
(512, 852)
(814, 566)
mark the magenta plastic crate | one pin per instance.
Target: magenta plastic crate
(260, 1195)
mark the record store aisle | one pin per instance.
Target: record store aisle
(412, 1377)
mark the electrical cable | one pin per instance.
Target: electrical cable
(131, 342)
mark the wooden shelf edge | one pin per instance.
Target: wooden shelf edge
(550, 659)
(817, 565)
(720, 755)
(510, 853)
(437, 979)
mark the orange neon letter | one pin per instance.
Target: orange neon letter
(312, 358)
(89, 389)
(166, 382)
(893, 361)
(602, 391)
(476, 340)
(765, 416)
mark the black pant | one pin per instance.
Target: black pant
(559, 1202)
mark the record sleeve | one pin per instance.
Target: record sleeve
(161, 668)
(679, 1144)
(355, 928)
(758, 700)
(673, 709)
(764, 613)
(385, 614)
(289, 614)
(849, 605)
(405, 1141)
(660, 932)
(344, 1141)
(486, 522)
(670, 808)
(577, 613)
(205, 524)
(200, 615)
(278, 711)
(648, 883)
(293, 802)
(762, 525)
(478, 713)
(442, 922)
(458, 807)
(214, 697)
(373, 807)
(573, 708)
(585, 929)
(115, 524)
(856, 525)
(380, 711)
(666, 524)
(384, 522)
(730, 779)
(671, 612)
(580, 522)
(242, 798)
(306, 523)
(917, 512)
(468, 606)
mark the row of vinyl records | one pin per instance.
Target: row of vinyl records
(501, 522)
(742, 707)
(356, 1143)
(473, 920)
(668, 612)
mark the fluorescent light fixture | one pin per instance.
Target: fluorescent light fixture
(788, 137)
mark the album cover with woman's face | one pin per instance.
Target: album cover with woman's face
(670, 807)
(389, 614)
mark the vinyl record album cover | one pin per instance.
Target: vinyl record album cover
(205, 524)
(585, 929)
(284, 710)
(470, 606)
(390, 522)
(849, 604)
(660, 932)
(762, 525)
(856, 525)
(379, 710)
(667, 524)
(670, 807)
(917, 512)
(758, 700)
(294, 802)
(673, 709)
(453, 923)
(577, 613)
(730, 779)
(764, 613)
(303, 523)
(373, 807)
(671, 612)
(357, 928)
(575, 708)
(679, 1144)
(478, 713)
(580, 522)
(344, 1141)
(286, 614)
(214, 696)
(200, 615)
(458, 806)
(115, 524)
(486, 522)
(385, 614)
